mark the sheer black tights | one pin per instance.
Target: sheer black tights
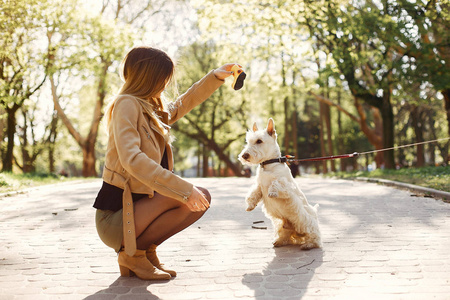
(158, 218)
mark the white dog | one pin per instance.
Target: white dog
(294, 219)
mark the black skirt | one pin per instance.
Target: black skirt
(110, 197)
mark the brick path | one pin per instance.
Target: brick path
(379, 243)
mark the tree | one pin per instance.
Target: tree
(373, 134)
(363, 52)
(427, 46)
(104, 39)
(363, 39)
(22, 63)
(31, 144)
(215, 123)
(265, 32)
(107, 46)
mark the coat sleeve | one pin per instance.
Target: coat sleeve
(128, 141)
(195, 95)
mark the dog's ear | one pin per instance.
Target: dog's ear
(271, 127)
(255, 128)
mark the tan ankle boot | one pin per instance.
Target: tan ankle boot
(141, 266)
(151, 256)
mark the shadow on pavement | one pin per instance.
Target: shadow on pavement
(126, 288)
(287, 275)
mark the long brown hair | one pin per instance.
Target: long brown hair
(146, 72)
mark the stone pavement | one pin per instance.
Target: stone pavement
(379, 243)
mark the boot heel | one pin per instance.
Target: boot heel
(140, 266)
(124, 271)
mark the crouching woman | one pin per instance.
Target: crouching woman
(142, 202)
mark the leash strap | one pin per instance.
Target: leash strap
(354, 154)
(289, 158)
(404, 146)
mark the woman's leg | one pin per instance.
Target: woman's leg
(160, 217)
(191, 219)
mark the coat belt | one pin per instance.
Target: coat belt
(129, 230)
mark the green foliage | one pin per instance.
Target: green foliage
(221, 120)
(371, 50)
(288, 48)
(431, 177)
(21, 57)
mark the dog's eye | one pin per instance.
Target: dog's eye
(259, 141)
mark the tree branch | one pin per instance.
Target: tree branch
(73, 132)
(330, 103)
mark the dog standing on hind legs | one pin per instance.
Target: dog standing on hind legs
(294, 219)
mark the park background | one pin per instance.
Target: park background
(336, 76)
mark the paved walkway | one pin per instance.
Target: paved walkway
(379, 243)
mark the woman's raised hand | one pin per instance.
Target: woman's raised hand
(224, 71)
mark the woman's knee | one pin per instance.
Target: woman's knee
(206, 193)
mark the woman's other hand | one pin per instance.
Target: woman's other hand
(224, 71)
(197, 201)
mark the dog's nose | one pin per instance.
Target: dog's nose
(245, 156)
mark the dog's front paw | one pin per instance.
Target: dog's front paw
(280, 243)
(250, 207)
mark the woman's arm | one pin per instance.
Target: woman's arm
(137, 163)
(199, 92)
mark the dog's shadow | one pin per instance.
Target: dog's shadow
(287, 275)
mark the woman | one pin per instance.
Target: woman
(142, 202)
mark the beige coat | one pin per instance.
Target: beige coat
(135, 148)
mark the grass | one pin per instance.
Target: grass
(13, 182)
(431, 177)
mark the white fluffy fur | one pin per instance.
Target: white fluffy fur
(294, 219)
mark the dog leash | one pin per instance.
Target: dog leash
(290, 158)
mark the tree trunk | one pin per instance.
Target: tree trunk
(329, 135)
(294, 117)
(224, 157)
(286, 125)
(28, 165)
(205, 161)
(327, 112)
(87, 145)
(51, 142)
(388, 129)
(88, 161)
(418, 130)
(211, 144)
(446, 94)
(340, 143)
(431, 146)
(51, 158)
(443, 149)
(199, 161)
(29, 152)
(322, 136)
(294, 132)
(374, 135)
(285, 107)
(10, 133)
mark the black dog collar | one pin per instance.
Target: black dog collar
(282, 159)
